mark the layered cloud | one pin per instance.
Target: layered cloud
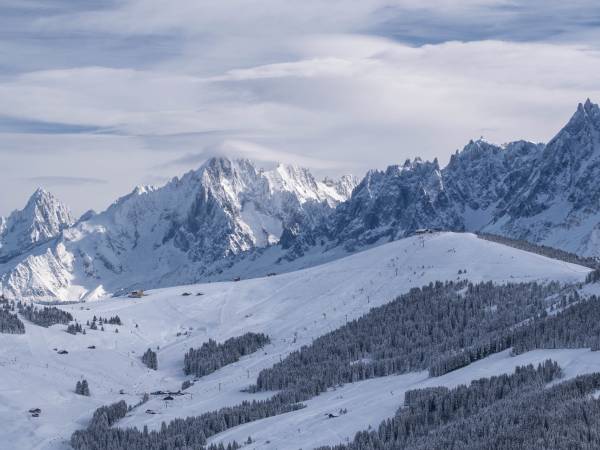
(154, 89)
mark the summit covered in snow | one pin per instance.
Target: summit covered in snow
(42, 219)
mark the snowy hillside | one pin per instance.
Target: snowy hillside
(173, 234)
(291, 308)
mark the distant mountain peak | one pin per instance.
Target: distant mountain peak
(224, 164)
(586, 117)
(40, 192)
(592, 112)
(47, 203)
(42, 198)
(416, 165)
(343, 186)
(42, 218)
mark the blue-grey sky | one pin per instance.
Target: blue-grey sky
(99, 96)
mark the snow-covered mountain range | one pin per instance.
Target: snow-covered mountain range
(545, 194)
(161, 236)
(229, 215)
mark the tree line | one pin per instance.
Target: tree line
(211, 356)
(45, 316)
(9, 321)
(544, 250)
(178, 434)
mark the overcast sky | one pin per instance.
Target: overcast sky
(99, 96)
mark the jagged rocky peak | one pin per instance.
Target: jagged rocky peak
(390, 204)
(42, 219)
(343, 186)
(586, 117)
(242, 176)
(563, 190)
(424, 175)
(580, 137)
(575, 151)
(291, 178)
(219, 169)
(475, 149)
(417, 164)
(45, 216)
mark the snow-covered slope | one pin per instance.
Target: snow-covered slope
(174, 234)
(302, 304)
(370, 402)
(42, 219)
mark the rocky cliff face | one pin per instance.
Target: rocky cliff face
(559, 203)
(387, 205)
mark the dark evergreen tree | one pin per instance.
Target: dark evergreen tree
(150, 359)
(9, 321)
(82, 388)
(116, 320)
(74, 328)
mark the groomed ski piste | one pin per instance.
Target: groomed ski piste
(292, 308)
